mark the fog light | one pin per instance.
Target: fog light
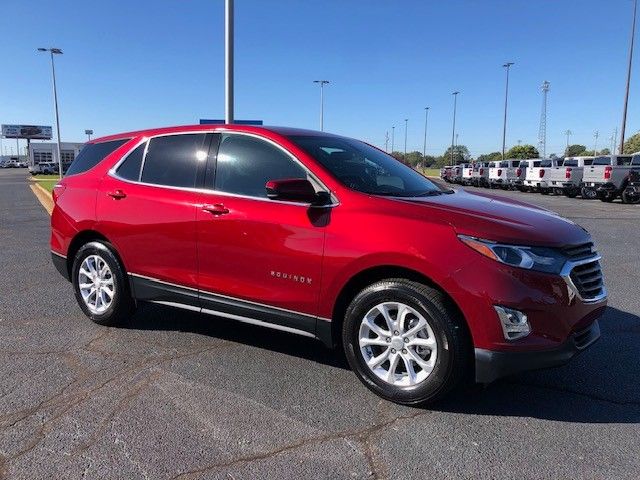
(515, 323)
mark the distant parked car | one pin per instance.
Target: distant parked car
(608, 176)
(48, 168)
(480, 175)
(11, 163)
(456, 174)
(501, 172)
(536, 177)
(566, 179)
(445, 173)
(521, 172)
(467, 173)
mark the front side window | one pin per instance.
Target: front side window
(92, 154)
(245, 164)
(173, 160)
(364, 168)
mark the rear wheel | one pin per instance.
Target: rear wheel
(405, 341)
(100, 284)
(588, 193)
(629, 196)
(544, 191)
(571, 192)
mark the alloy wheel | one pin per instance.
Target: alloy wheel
(95, 280)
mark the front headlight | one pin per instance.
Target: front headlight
(540, 259)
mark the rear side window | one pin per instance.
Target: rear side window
(129, 169)
(588, 161)
(92, 154)
(624, 160)
(504, 164)
(602, 161)
(245, 164)
(173, 160)
(546, 163)
(635, 160)
(570, 163)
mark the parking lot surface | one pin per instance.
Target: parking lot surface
(178, 395)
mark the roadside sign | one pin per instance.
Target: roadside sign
(30, 132)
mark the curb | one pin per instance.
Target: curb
(43, 196)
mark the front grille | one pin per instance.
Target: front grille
(578, 252)
(588, 279)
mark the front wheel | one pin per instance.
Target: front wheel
(607, 197)
(100, 284)
(406, 342)
(630, 196)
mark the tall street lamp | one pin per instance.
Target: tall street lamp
(453, 132)
(406, 124)
(322, 84)
(568, 133)
(55, 51)
(88, 133)
(426, 123)
(626, 95)
(393, 138)
(507, 67)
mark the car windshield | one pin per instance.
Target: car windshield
(364, 168)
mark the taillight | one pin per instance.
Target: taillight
(499, 172)
(567, 173)
(518, 172)
(607, 172)
(541, 173)
(482, 171)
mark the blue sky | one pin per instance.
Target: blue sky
(137, 64)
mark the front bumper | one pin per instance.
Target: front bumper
(491, 365)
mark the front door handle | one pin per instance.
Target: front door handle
(117, 194)
(217, 209)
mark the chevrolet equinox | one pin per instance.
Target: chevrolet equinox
(324, 236)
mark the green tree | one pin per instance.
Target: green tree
(460, 155)
(574, 150)
(414, 158)
(490, 157)
(523, 152)
(589, 153)
(632, 145)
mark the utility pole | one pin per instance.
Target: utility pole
(596, 134)
(453, 132)
(542, 133)
(386, 141)
(228, 61)
(406, 124)
(426, 124)
(615, 141)
(393, 137)
(55, 51)
(507, 67)
(568, 133)
(322, 83)
(626, 95)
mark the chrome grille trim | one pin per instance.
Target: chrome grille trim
(585, 279)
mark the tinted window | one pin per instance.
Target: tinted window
(504, 164)
(635, 160)
(245, 164)
(92, 154)
(546, 163)
(624, 160)
(129, 169)
(602, 161)
(524, 164)
(364, 168)
(173, 160)
(570, 163)
(588, 161)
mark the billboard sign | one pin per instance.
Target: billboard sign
(31, 132)
(206, 121)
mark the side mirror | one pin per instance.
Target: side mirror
(295, 190)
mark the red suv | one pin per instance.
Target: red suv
(327, 237)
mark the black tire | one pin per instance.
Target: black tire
(544, 191)
(588, 193)
(122, 304)
(630, 198)
(571, 192)
(451, 364)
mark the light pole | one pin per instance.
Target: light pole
(88, 133)
(453, 132)
(568, 133)
(322, 84)
(228, 61)
(406, 124)
(393, 138)
(626, 95)
(507, 67)
(55, 51)
(596, 134)
(426, 124)
(386, 141)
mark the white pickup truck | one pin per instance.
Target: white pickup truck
(467, 173)
(502, 173)
(608, 176)
(480, 175)
(566, 179)
(536, 176)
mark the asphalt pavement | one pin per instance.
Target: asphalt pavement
(177, 395)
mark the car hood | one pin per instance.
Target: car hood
(500, 219)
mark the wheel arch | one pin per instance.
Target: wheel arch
(83, 237)
(369, 276)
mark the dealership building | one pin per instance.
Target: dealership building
(47, 152)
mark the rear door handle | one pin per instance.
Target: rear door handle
(217, 209)
(117, 194)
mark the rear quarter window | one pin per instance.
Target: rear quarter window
(92, 154)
